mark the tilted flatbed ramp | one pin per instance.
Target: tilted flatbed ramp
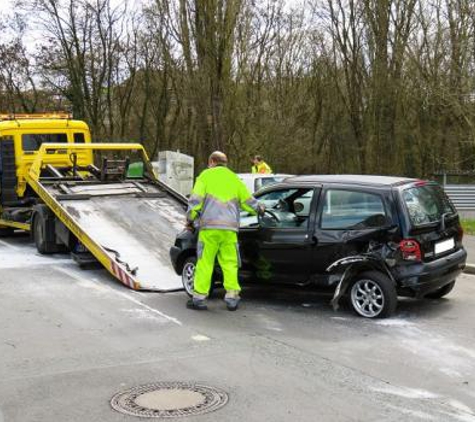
(128, 225)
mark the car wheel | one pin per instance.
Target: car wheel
(188, 276)
(444, 290)
(373, 295)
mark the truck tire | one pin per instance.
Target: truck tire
(443, 291)
(373, 295)
(40, 228)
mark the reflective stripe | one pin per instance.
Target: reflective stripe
(194, 203)
(194, 200)
(199, 249)
(253, 203)
(219, 214)
(238, 255)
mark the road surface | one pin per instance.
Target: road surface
(70, 339)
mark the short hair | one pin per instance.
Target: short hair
(258, 157)
(219, 158)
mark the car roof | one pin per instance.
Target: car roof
(262, 175)
(350, 179)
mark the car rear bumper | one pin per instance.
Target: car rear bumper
(174, 256)
(420, 279)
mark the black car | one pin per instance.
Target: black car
(371, 238)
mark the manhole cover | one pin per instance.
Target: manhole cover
(169, 400)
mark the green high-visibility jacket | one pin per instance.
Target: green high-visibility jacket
(216, 200)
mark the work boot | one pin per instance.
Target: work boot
(232, 299)
(232, 303)
(197, 304)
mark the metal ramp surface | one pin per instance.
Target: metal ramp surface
(133, 226)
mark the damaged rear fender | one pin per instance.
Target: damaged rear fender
(349, 268)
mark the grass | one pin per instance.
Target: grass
(468, 225)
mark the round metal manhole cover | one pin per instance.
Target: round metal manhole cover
(169, 400)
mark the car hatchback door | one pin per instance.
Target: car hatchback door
(278, 247)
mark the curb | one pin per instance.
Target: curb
(469, 269)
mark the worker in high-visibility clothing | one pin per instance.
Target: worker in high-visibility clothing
(260, 166)
(214, 209)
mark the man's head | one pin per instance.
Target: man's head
(256, 160)
(217, 158)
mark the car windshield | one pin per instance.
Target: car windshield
(426, 204)
(266, 181)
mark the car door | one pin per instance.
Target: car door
(347, 219)
(278, 247)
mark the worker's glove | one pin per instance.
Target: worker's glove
(261, 209)
(190, 226)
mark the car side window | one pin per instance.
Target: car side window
(352, 210)
(291, 207)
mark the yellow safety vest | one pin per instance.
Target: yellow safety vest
(262, 168)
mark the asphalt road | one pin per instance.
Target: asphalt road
(70, 339)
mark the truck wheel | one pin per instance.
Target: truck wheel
(39, 232)
(6, 231)
(373, 295)
(188, 276)
(444, 290)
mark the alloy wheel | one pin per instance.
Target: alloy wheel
(188, 277)
(367, 298)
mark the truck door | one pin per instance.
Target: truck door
(280, 248)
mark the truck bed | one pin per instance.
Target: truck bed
(133, 223)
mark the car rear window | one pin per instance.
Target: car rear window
(426, 204)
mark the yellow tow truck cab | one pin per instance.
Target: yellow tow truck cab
(21, 136)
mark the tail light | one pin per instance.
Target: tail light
(411, 250)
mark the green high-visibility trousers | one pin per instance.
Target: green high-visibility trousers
(222, 244)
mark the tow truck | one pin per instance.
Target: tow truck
(73, 195)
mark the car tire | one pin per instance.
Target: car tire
(373, 295)
(443, 291)
(188, 276)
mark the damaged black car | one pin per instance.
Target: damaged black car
(371, 238)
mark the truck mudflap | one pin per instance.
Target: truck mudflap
(378, 256)
(128, 225)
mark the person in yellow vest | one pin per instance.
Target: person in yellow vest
(260, 166)
(214, 209)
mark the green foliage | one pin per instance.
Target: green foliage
(323, 86)
(468, 226)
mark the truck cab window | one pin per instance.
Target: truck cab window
(32, 141)
(79, 138)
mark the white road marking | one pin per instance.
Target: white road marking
(199, 337)
(124, 295)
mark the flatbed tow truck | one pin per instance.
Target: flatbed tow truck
(76, 196)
